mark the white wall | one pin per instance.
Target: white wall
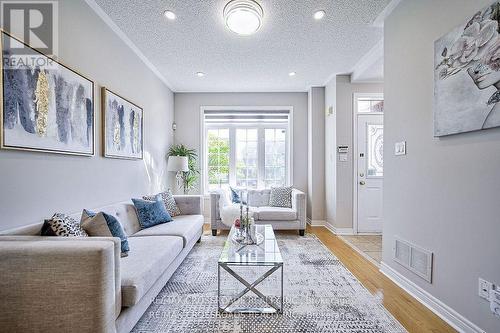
(316, 156)
(35, 185)
(339, 175)
(443, 195)
(187, 117)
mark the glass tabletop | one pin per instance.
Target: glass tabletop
(263, 254)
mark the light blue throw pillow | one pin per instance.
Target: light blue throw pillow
(151, 213)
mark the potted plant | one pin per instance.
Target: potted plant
(189, 178)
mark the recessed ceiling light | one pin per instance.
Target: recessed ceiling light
(169, 14)
(200, 74)
(292, 73)
(318, 15)
(243, 17)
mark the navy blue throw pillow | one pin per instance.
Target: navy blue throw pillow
(235, 196)
(104, 225)
(151, 213)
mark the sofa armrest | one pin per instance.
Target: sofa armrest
(58, 284)
(299, 204)
(189, 204)
(214, 210)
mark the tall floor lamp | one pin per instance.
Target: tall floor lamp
(178, 164)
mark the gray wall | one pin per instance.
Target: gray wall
(187, 117)
(443, 195)
(316, 156)
(330, 153)
(339, 133)
(35, 185)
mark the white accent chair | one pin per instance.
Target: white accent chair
(280, 218)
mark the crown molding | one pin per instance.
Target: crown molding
(100, 12)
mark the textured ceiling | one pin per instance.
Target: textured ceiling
(289, 40)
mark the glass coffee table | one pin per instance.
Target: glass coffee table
(266, 255)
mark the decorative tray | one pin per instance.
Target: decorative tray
(241, 240)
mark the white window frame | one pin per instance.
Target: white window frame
(232, 141)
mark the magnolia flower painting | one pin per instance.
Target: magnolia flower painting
(467, 75)
(123, 127)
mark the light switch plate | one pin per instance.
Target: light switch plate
(400, 148)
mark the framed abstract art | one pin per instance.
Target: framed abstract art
(467, 75)
(123, 127)
(46, 106)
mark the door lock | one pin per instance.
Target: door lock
(361, 174)
(362, 182)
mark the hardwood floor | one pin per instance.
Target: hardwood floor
(409, 312)
(415, 317)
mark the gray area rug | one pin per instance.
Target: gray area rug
(321, 295)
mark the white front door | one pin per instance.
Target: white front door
(370, 172)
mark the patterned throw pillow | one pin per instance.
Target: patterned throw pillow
(151, 213)
(104, 225)
(62, 225)
(168, 200)
(281, 197)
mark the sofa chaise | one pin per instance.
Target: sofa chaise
(69, 284)
(293, 218)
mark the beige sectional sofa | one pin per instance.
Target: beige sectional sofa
(293, 218)
(62, 284)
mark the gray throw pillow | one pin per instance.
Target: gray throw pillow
(169, 201)
(281, 197)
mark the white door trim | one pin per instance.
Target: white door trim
(355, 115)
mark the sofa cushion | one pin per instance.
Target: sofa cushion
(62, 225)
(126, 214)
(145, 264)
(151, 213)
(258, 198)
(168, 200)
(185, 226)
(276, 214)
(104, 225)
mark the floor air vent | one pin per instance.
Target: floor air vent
(414, 258)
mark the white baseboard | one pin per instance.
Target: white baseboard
(339, 231)
(315, 223)
(456, 320)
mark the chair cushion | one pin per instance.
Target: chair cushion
(258, 198)
(276, 214)
(150, 257)
(185, 226)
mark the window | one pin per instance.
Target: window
(370, 105)
(218, 156)
(275, 159)
(246, 149)
(247, 157)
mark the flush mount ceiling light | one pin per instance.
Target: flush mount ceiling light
(318, 15)
(292, 73)
(200, 74)
(243, 17)
(169, 14)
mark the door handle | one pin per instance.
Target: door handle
(362, 182)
